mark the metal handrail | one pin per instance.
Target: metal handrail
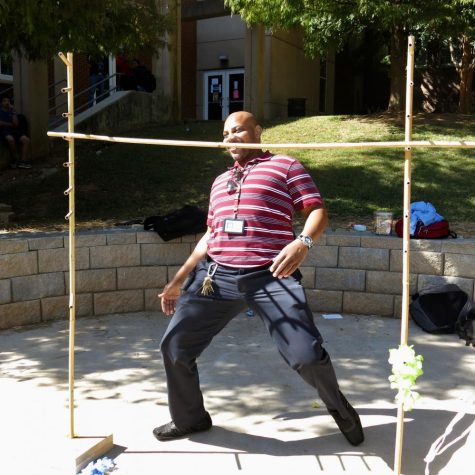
(85, 90)
(7, 90)
(97, 98)
(55, 84)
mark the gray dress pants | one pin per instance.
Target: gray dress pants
(280, 303)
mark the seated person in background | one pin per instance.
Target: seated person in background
(140, 78)
(122, 68)
(13, 135)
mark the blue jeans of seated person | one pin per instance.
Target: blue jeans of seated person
(280, 303)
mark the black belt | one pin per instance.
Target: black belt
(238, 270)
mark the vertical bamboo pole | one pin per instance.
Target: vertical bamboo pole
(71, 217)
(406, 238)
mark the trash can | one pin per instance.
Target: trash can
(296, 107)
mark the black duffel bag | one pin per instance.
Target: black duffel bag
(187, 220)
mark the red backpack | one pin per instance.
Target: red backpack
(437, 230)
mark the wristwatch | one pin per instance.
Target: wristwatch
(307, 240)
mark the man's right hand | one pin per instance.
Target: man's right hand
(172, 290)
(168, 297)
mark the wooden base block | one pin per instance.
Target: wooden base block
(65, 456)
(86, 449)
(72, 455)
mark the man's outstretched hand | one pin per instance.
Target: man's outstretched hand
(168, 297)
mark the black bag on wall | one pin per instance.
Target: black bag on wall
(187, 220)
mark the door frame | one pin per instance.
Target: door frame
(225, 74)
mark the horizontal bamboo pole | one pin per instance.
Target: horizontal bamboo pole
(315, 145)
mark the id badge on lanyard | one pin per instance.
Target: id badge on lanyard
(234, 226)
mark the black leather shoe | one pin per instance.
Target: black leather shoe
(351, 428)
(170, 431)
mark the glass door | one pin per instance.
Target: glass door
(235, 92)
(223, 94)
(214, 96)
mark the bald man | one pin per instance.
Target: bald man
(249, 258)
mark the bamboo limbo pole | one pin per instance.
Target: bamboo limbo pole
(84, 449)
(405, 240)
(313, 145)
(71, 217)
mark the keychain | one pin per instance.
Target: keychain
(207, 286)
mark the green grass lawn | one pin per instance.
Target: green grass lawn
(118, 182)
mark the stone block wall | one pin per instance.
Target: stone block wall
(116, 271)
(362, 273)
(122, 270)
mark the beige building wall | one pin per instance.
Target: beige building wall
(257, 82)
(276, 68)
(60, 79)
(291, 75)
(30, 81)
(221, 37)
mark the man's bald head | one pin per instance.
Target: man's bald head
(243, 117)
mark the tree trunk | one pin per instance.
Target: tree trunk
(466, 77)
(397, 51)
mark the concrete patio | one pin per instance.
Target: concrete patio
(265, 418)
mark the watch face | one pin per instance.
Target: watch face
(307, 240)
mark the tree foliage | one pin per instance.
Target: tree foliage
(328, 24)
(456, 27)
(39, 29)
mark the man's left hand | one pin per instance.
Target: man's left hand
(289, 259)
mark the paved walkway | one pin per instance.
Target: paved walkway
(265, 419)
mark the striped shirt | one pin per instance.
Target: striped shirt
(272, 188)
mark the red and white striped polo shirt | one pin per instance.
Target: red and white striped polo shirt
(273, 187)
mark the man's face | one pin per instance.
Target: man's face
(241, 127)
(6, 103)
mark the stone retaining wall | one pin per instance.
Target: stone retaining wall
(122, 270)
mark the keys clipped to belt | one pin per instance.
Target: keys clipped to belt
(207, 286)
